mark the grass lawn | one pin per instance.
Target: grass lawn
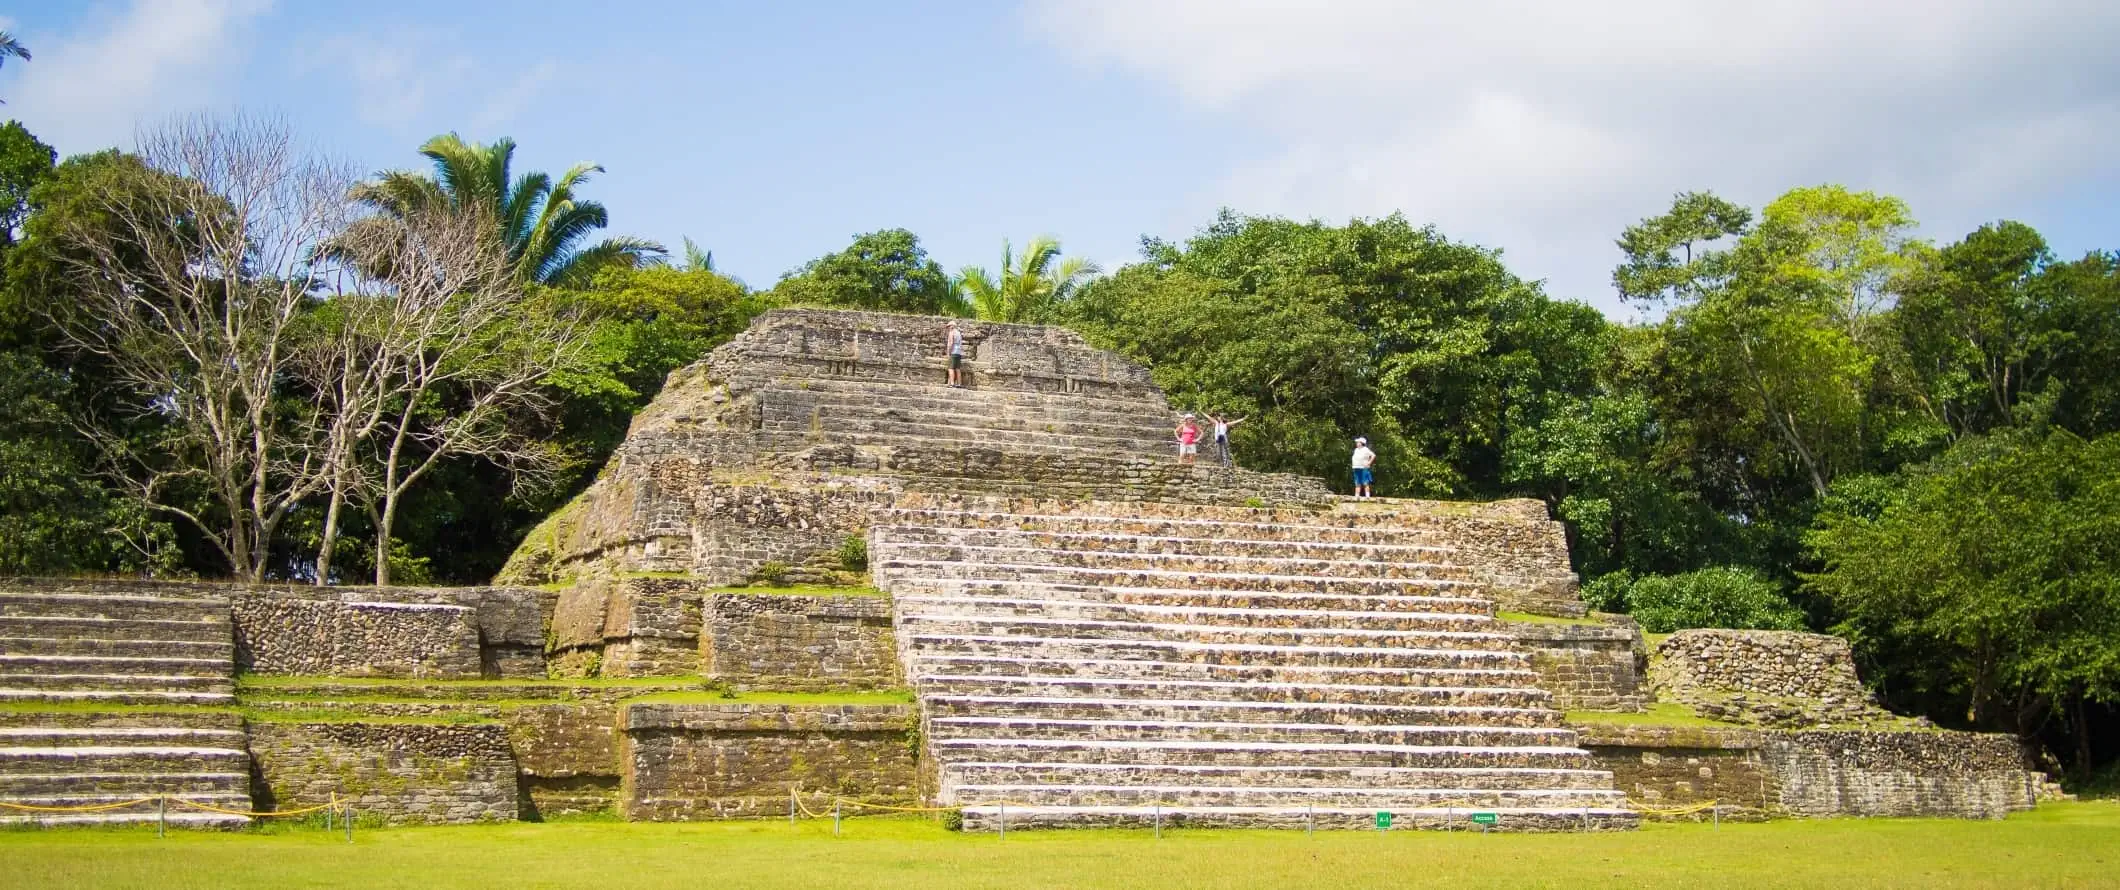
(2062, 845)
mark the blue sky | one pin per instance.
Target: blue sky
(771, 133)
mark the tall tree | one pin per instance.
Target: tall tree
(1034, 286)
(886, 270)
(544, 225)
(188, 268)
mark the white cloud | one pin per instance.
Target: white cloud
(90, 91)
(1545, 126)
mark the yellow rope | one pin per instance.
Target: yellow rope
(1675, 811)
(97, 808)
(85, 809)
(214, 809)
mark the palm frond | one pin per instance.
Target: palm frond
(697, 260)
(579, 267)
(9, 46)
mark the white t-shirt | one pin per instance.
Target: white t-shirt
(956, 342)
(1221, 430)
(1363, 457)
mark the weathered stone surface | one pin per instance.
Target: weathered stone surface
(568, 754)
(404, 772)
(277, 635)
(1586, 667)
(716, 761)
(778, 641)
(1765, 677)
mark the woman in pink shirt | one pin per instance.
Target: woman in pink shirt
(1188, 439)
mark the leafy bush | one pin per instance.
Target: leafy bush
(1723, 596)
(854, 553)
(772, 573)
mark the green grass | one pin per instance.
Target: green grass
(1658, 714)
(330, 715)
(90, 707)
(254, 681)
(802, 590)
(876, 697)
(1529, 618)
(2061, 845)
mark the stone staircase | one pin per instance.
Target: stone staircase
(100, 702)
(1098, 664)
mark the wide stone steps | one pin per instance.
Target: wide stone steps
(73, 626)
(988, 818)
(118, 696)
(129, 785)
(1236, 691)
(963, 774)
(1145, 724)
(1284, 566)
(88, 605)
(1240, 753)
(221, 650)
(107, 682)
(923, 571)
(1090, 542)
(1116, 631)
(197, 820)
(157, 759)
(90, 737)
(782, 412)
(919, 644)
(1093, 670)
(939, 395)
(1261, 524)
(119, 718)
(13, 664)
(997, 607)
(1185, 796)
(1141, 709)
(1248, 600)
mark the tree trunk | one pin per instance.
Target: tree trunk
(383, 523)
(331, 537)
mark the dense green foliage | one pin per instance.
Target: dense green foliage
(886, 270)
(1722, 596)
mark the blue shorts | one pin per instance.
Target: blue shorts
(1362, 476)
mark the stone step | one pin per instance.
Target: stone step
(1208, 690)
(191, 820)
(938, 645)
(1206, 616)
(1156, 519)
(120, 718)
(83, 605)
(48, 627)
(1228, 753)
(1126, 774)
(1163, 546)
(123, 759)
(957, 443)
(117, 682)
(1144, 726)
(1215, 718)
(987, 818)
(222, 650)
(1204, 599)
(117, 696)
(892, 570)
(227, 800)
(1117, 631)
(1370, 798)
(1269, 566)
(802, 411)
(936, 391)
(15, 786)
(999, 666)
(120, 665)
(90, 737)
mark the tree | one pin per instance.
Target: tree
(1662, 264)
(1991, 581)
(189, 266)
(10, 47)
(54, 518)
(886, 270)
(1032, 288)
(24, 162)
(540, 220)
(1970, 323)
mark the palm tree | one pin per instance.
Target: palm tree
(10, 47)
(1033, 285)
(697, 260)
(541, 221)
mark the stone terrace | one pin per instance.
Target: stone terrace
(80, 665)
(1090, 663)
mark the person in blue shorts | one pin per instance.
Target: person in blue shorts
(1364, 459)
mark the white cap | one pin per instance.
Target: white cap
(1358, 440)
(953, 322)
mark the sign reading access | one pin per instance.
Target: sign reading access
(1383, 819)
(1486, 818)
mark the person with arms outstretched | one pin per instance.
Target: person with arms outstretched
(1364, 476)
(1222, 425)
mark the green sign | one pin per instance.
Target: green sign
(1383, 819)
(1485, 818)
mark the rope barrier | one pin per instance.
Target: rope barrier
(334, 804)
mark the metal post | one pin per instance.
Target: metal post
(791, 806)
(349, 825)
(1310, 817)
(1586, 818)
(1004, 818)
(835, 818)
(162, 816)
(1449, 819)
(1159, 820)
(1715, 813)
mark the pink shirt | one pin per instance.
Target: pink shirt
(1188, 434)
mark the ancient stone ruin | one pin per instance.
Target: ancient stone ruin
(1027, 608)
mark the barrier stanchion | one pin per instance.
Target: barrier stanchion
(1004, 818)
(835, 818)
(1159, 820)
(1310, 818)
(1716, 815)
(161, 817)
(791, 806)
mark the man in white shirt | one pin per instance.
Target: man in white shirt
(1363, 460)
(956, 346)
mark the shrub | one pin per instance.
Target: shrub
(854, 553)
(1722, 596)
(953, 820)
(772, 572)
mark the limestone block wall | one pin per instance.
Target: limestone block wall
(714, 761)
(635, 626)
(1817, 772)
(276, 635)
(568, 755)
(1764, 677)
(1586, 667)
(774, 641)
(403, 772)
